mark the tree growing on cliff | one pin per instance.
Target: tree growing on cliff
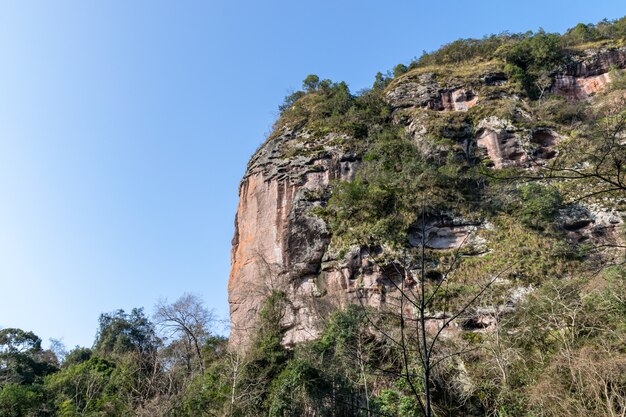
(399, 69)
(418, 305)
(311, 83)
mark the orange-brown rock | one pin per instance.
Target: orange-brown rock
(580, 88)
(278, 243)
(589, 75)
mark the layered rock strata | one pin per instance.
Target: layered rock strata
(589, 75)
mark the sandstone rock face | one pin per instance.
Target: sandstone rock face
(588, 224)
(448, 232)
(506, 145)
(279, 244)
(426, 92)
(580, 88)
(501, 141)
(596, 62)
(590, 75)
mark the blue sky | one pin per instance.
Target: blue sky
(125, 127)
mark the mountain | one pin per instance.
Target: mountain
(447, 242)
(480, 112)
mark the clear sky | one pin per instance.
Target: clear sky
(125, 127)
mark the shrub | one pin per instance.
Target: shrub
(463, 50)
(89, 388)
(299, 390)
(24, 401)
(290, 100)
(539, 204)
(395, 184)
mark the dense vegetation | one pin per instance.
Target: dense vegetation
(561, 350)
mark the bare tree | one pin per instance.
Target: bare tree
(413, 305)
(189, 322)
(543, 83)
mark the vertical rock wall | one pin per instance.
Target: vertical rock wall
(278, 243)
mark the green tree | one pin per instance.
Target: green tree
(22, 360)
(121, 332)
(311, 83)
(380, 81)
(299, 391)
(399, 69)
(581, 33)
(265, 361)
(77, 355)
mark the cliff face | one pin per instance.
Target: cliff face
(280, 245)
(590, 75)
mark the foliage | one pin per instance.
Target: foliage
(330, 108)
(206, 395)
(527, 56)
(18, 400)
(77, 355)
(395, 184)
(266, 360)
(90, 388)
(121, 333)
(380, 82)
(534, 51)
(22, 360)
(539, 204)
(311, 83)
(537, 45)
(582, 33)
(463, 50)
(399, 69)
(300, 386)
(394, 402)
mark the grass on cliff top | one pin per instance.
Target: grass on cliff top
(599, 44)
(466, 72)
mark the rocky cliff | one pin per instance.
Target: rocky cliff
(281, 244)
(278, 244)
